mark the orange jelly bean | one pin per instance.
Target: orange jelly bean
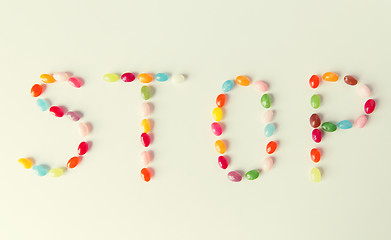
(220, 146)
(330, 77)
(220, 100)
(73, 162)
(271, 147)
(315, 155)
(243, 80)
(145, 78)
(36, 90)
(47, 78)
(145, 174)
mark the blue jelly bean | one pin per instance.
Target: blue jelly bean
(41, 170)
(345, 124)
(43, 104)
(269, 130)
(161, 77)
(228, 85)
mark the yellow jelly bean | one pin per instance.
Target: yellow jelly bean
(316, 175)
(46, 78)
(26, 163)
(57, 172)
(145, 77)
(330, 77)
(220, 146)
(217, 114)
(145, 125)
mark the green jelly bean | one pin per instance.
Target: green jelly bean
(252, 175)
(315, 101)
(329, 127)
(266, 100)
(111, 77)
(145, 92)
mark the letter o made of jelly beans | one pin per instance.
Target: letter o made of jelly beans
(321, 127)
(37, 91)
(217, 130)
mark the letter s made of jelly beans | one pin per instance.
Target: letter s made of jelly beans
(146, 80)
(37, 91)
(321, 127)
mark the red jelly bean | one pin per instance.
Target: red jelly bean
(36, 90)
(317, 135)
(271, 147)
(145, 174)
(128, 77)
(73, 162)
(223, 163)
(315, 155)
(83, 148)
(145, 139)
(56, 111)
(314, 81)
(220, 100)
(369, 106)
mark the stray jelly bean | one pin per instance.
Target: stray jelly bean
(243, 80)
(111, 77)
(146, 109)
(36, 90)
(145, 139)
(315, 101)
(252, 175)
(269, 130)
(364, 91)
(268, 164)
(146, 157)
(315, 155)
(271, 147)
(83, 148)
(61, 76)
(369, 106)
(315, 120)
(26, 163)
(361, 121)
(228, 85)
(47, 78)
(317, 135)
(75, 82)
(316, 175)
(217, 129)
(146, 92)
(84, 129)
(330, 77)
(268, 116)
(73, 162)
(73, 116)
(350, 80)
(220, 100)
(223, 163)
(161, 77)
(56, 111)
(329, 127)
(220, 146)
(41, 170)
(128, 77)
(145, 78)
(178, 78)
(145, 174)
(217, 114)
(234, 176)
(56, 172)
(314, 81)
(261, 86)
(43, 104)
(345, 124)
(266, 101)
(145, 125)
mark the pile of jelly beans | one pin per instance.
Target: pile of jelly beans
(217, 129)
(146, 109)
(320, 128)
(84, 128)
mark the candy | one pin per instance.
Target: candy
(217, 114)
(369, 106)
(84, 129)
(345, 124)
(216, 129)
(145, 77)
(46, 78)
(43, 104)
(268, 116)
(61, 76)
(271, 147)
(243, 80)
(314, 81)
(315, 155)
(315, 101)
(41, 170)
(178, 78)
(145, 125)
(145, 92)
(234, 176)
(73, 116)
(223, 163)
(56, 172)
(329, 127)
(315, 120)
(128, 77)
(266, 100)
(145, 174)
(330, 77)
(146, 157)
(220, 146)
(269, 130)
(316, 175)
(228, 85)
(261, 86)
(361, 121)
(220, 100)
(36, 90)
(350, 80)
(73, 162)
(267, 164)
(364, 91)
(252, 175)
(146, 109)
(83, 148)
(111, 77)
(26, 163)
(75, 82)
(56, 111)
(161, 77)
(145, 139)
(317, 135)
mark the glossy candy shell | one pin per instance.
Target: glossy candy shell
(220, 100)
(269, 130)
(234, 176)
(242, 80)
(252, 175)
(56, 111)
(315, 155)
(345, 124)
(315, 120)
(316, 175)
(145, 139)
(83, 148)
(36, 90)
(223, 163)
(111, 77)
(315, 101)
(314, 81)
(369, 106)
(145, 78)
(329, 127)
(41, 170)
(350, 80)
(145, 174)
(146, 92)
(330, 77)
(216, 129)
(271, 147)
(228, 85)
(317, 135)
(128, 77)
(217, 114)
(266, 100)
(73, 162)
(47, 78)
(161, 77)
(75, 82)
(220, 146)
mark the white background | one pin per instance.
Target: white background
(281, 42)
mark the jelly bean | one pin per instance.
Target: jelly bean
(47, 78)
(111, 77)
(145, 77)
(73, 162)
(315, 155)
(146, 157)
(178, 78)
(261, 86)
(73, 116)
(83, 148)
(145, 174)
(217, 114)
(26, 163)
(217, 129)
(161, 77)
(370, 106)
(271, 147)
(268, 164)
(145, 139)
(350, 80)
(220, 100)
(56, 172)
(223, 163)
(234, 176)
(317, 135)
(315, 120)
(316, 175)
(315, 101)
(84, 129)
(242, 80)
(329, 127)
(61, 76)
(345, 124)
(145, 125)
(364, 91)
(146, 109)
(314, 81)
(228, 85)
(41, 170)
(36, 90)
(266, 100)
(128, 77)
(268, 116)
(252, 175)
(75, 82)
(361, 121)
(330, 77)
(269, 130)
(146, 92)
(56, 111)
(220, 146)
(43, 104)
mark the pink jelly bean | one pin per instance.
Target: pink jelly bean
(217, 129)
(73, 116)
(146, 109)
(369, 106)
(145, 139)
(83, 148)
(145, 157)
(268, 164)
(234, 176)
(261, 86)
(56, 111)
(268, 116)
(364, 91)
(75, 82)
(317, 135)
(223, 163)
(361, 121)
(84, 129)
(128, 77)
